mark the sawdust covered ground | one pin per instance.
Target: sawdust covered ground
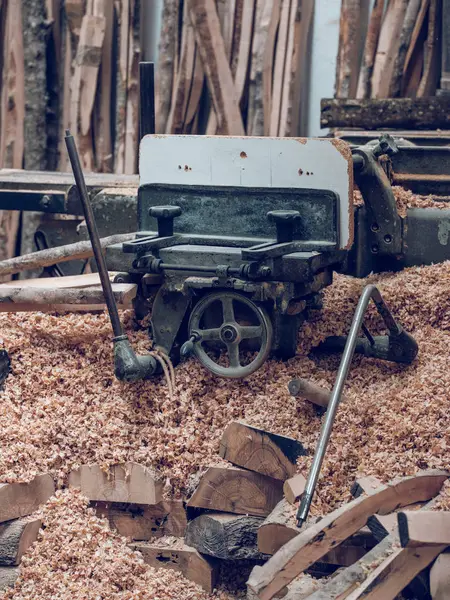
(61, 407)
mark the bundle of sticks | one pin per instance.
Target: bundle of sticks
(233, 67)
(393, 52)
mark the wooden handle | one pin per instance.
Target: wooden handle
(310, 391)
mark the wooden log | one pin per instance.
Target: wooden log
(180, 557)
(216, 67)
(412, 11)
(409, 113)
(128, 482)
(225, 536)
(424, 527)
(124, 293)
(310, 545)
(373, 32)
(15, 538)
(8, 577)
(388, 44)
(260, 451)
(21, 499)
(236, 491)
(53, 256)
(440, 578)
(347, 67)
(293, 488)
(141, 522)
(310, 391)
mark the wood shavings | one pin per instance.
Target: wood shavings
(407, 199)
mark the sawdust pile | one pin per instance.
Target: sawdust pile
(406, 199)
(77, 556)
(62, 407)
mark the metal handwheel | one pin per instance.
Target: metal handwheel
(230, 333)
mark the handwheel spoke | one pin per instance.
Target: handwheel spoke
(209, 335)
(250, 332)
(228, 310)
(233, 353)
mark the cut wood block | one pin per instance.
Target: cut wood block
(313, 543)
(15, 538)
(129, 482)
(237, 491)
(365, 485)
(440, 578)
(310, 391)
(21, 499)
(225, 536)
(8, 576)
(68, 281)
(141, 522)
(180, 557)
(422, 527)
(261, 451)
(294, 487)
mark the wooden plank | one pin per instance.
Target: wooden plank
(424, 527)
(293, 488)
(180, 557)
(287, 74)
(123, 10)
(128, 482)
(10, 307)
(225, 536)
(412, 11)
(255, 116)
(103, 139)
(261, 451)
(166, 62)
(21, 499)
(52, 256)
(408, 113)
(388, 44)
(373, 33)
(124, 293)
(141, 522)
(303, 43)
(430, 77)
(132, 91)
(279, 66)
(215, 64)
(347, 67)
(268, 64)
(308, 547)
(240, 66)
(15, 538)
(440, 578)
(236, 491)
(445, 62)
(414, 57)
(69, 281)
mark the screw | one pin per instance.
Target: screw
(388, 238)
(375, 227)
(375, 248)
(45, 201)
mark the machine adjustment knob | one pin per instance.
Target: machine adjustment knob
(165, 216)
(285, 221)
(386, 145)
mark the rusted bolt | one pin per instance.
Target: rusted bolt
(243, 154)
(300, 171)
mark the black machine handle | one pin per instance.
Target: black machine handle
(403, 349)
(285, 221)
(165, 215)
(128, 366)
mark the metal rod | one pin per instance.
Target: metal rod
(93, 235)
(146, 98)
(335, 399)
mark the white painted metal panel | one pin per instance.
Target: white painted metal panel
(316, 163)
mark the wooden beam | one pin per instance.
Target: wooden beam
(412, 11)
(128, 482)
(236, 491)
(225, 536)
(21, 499)
(180, 557)
(53, 256)
(166, 63)
(15, 538)
(124, 293)
(216, 67)
(414, 57)
(347, 66)
(131, 134)
(424, 527)
(142, 522)
(278, 67)
(260, 451)
(430, 77)
(440, 578)
(240, 66)
(445, 58)
(69, 281)
(373, 32)
(409, 113)
(123, 10)
(102, 125)
(293, 488)
(310, 545)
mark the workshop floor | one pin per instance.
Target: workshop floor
(61, 407)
